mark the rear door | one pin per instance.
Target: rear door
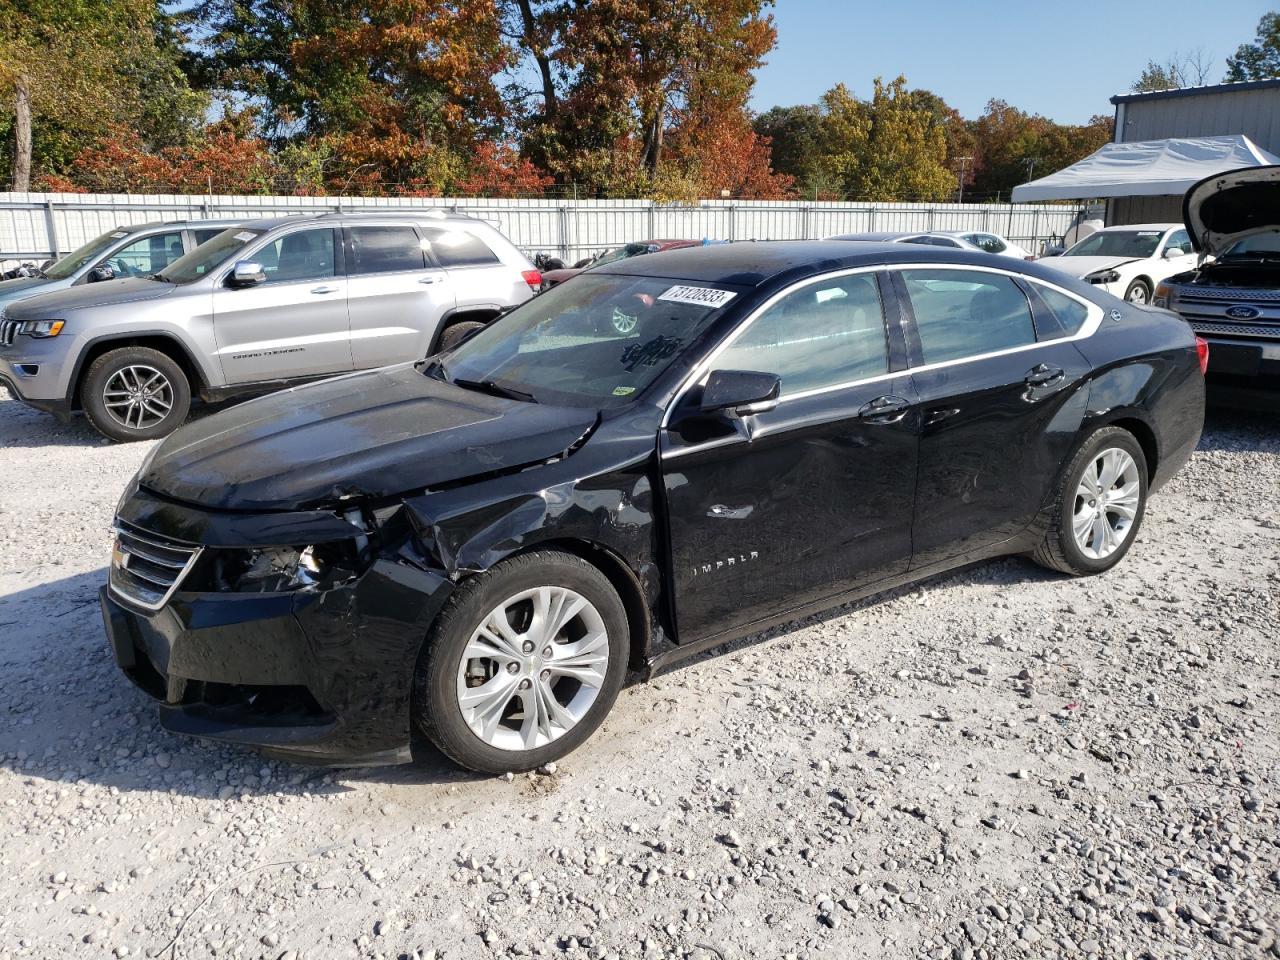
(999, 400)
(395, 294)
(295, 323)
(805, 501)
(481, 281)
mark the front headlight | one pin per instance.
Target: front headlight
(1103, 276)
(41, 329)
(283, 569)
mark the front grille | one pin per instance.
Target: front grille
(1228, 296)
(1204, 325)
(8, 330)
(147, 568)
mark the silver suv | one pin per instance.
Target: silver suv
(261, 306)
(133, 251)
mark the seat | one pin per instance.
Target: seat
(301, 258)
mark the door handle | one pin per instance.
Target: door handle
(1042, 375)
(427, 280)
(324, 289)
(887, 409)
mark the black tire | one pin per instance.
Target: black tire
(436, 707)
(1134, 287)
(458, 331)
(1059, 549)
(177, 394)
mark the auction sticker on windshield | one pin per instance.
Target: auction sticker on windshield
(244, 236)
(699, 296)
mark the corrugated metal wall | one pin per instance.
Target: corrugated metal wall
(1255, 113)
(37, 225)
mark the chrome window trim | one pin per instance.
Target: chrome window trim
(701, 371)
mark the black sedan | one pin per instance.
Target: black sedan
(480, 544)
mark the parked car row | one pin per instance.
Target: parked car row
(256, 306)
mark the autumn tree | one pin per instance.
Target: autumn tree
(71, 69)
(1260, 59)
(1010, 143)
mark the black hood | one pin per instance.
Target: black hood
(375, 434)
(1227, 207)
(44, 306)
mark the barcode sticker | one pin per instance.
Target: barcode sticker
(699, 296)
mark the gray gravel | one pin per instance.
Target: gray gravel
(1001, 763)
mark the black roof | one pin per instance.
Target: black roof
(750, 264)
(1209, 88)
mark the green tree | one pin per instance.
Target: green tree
(1009, 140)
(1259, 60)
(71, 70)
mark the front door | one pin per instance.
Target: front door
(999, 408)
(814, 498)
(295, 323)
(394, 294)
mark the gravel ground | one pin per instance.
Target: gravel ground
(1001, 763)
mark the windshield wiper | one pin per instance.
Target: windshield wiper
(161, 277)
(497, 389)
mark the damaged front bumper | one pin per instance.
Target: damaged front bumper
(312, 675)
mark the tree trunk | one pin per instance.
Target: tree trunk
(21, 135)
(653, 136)
(537, 46)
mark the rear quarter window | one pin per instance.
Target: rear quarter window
(1070, 313)
(457, 248)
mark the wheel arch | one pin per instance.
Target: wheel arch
(1135, 424)
(166, 343)
(461, 315)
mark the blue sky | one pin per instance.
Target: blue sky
(1062, 59)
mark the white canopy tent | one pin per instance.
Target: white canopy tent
(1147, 168)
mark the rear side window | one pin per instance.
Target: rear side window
(457, 248)
(989, 243)
(932, 241)
(385, 250)
(961, 313)
(821, 335)
(1069, 312)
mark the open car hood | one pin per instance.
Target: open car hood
(1227, 207)
(364, 435)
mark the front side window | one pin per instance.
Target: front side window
(209, 256)
(597, 342)
(385, 250)
(457, 248)
(963, 313)
(1137, 244)
(147, 256)
(822, 335)
(301, 255)
(86, 254)
(205, 234)
(1179, 240)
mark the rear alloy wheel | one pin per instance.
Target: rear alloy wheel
(135, 393)
(523, 664)
(1099, 505)
(1138, 292)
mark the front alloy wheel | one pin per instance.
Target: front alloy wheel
(523, 663)
(135, 393)
(533, 668)
(1138, 293)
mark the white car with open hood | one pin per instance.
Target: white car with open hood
(1128, 261)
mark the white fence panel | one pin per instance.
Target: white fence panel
(36, 226)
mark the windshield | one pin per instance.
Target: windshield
(1118, 243)
(1262, 243)
(73, 261)
(596, 342)
(208, 256)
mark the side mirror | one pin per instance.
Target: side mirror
(1171, 253)
(103, 271)
(741, 392)
(246, 273)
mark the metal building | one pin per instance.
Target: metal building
(1251, 108)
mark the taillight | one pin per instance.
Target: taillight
(1202, 351)
(533, 278)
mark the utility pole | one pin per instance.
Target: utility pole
(1031, 167)
(964, 165)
